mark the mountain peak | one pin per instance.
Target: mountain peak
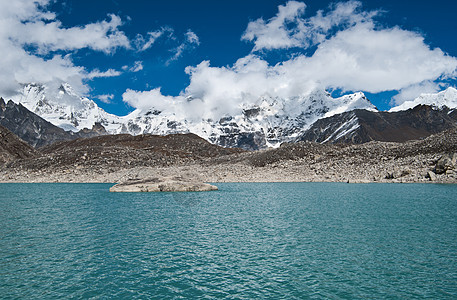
(447, 97)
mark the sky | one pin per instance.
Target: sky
(128, 55)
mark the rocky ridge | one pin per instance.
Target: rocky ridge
(361, 126)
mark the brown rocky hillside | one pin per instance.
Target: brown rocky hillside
(12, 147)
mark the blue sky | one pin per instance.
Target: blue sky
(121, 71)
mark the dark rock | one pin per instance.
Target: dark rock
(445, 163)
(431, 176)
(244, 140)
(251, 113)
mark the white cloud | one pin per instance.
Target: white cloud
(106, 98)
(143, 44)
(275, 33)
(51, 36)
(190, 42)
(352, 53)
(192, 38)
(96, 73)
(137, 66)
(288, 29)
(364, 58)
(413, 91)
(150, 99)
(26, 24)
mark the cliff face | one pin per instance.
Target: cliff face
(361, 126)
(12, 147)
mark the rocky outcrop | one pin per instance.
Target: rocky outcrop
(446, 163)
(164, 184)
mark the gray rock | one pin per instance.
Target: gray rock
(430, 175)
(165, 184)
(446, 162)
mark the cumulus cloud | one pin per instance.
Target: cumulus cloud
(49, 35)
(364, 58)
(274, 33)
(352, 52)
(33, 40)
(289, 28)
(413, 91)
(150, 99)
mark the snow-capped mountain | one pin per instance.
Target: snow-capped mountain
(64, 108)
(266, 123)
(447, 98)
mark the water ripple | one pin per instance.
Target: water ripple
(280, 241)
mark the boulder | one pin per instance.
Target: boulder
(164, 184)
(431, 176)
(446, 162)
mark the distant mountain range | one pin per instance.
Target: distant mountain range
(266, 123)
(40, 120)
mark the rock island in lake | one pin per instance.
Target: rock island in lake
(164, 184)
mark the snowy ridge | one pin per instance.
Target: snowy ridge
(65, 108)
(446, 98)
(266, 123)
(344, 130)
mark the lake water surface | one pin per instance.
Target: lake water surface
(245, 241)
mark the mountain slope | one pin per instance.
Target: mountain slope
(127, 151)
(361, 126)
(12, 147)
(35, 130)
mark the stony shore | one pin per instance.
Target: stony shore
(415, 161)
(411, 169)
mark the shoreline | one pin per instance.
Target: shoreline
(433, 159)
(284, 171)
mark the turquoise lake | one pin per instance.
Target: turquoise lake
(245, 241)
